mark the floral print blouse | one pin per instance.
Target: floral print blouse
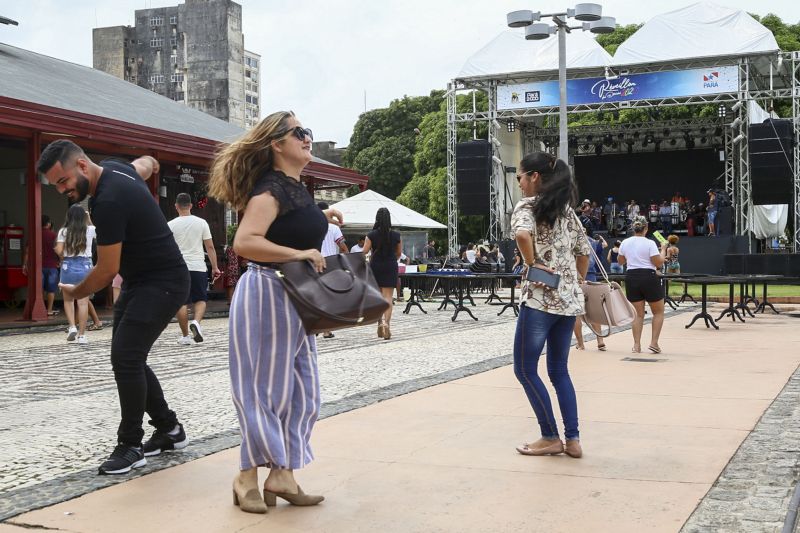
(556, 247)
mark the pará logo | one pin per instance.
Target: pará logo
(710, 80)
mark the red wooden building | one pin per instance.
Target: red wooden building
(43, 98)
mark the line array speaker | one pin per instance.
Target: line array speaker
(771, 161)
(473, 170)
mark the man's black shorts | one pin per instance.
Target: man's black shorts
(643, 284)
(199, 289)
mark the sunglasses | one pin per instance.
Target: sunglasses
(301, 133)
(519, 176)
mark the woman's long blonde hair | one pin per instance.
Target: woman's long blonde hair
(238, 165)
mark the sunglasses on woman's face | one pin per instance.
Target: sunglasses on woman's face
(301, 132)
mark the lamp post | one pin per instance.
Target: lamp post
(590, 16)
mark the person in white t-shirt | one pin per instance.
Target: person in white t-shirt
(332, 244)
(74, 246)
(359, 246)
(192, 234)
(642, 282)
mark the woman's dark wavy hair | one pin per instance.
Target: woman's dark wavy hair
(383, 224)
(75, 231)
(557, 190)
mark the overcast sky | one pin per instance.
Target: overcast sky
(319, 58)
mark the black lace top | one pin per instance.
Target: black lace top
(300, 223)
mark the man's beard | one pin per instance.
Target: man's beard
(81, 188)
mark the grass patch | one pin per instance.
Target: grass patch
(676, 290)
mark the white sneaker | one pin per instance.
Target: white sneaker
(186, 340)
(82, 339)
(197, 331)
(72, 332)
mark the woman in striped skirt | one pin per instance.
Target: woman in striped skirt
(273, 362)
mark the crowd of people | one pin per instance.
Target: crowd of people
(678, 212)
(272, 358)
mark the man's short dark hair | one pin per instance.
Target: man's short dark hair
(45, 220)
(59, 151)
(183, 199)
(323, 205)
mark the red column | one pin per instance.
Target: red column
(34, 305)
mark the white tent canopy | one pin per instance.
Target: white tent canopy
(509, 52)
(359, 212)
(704, 29)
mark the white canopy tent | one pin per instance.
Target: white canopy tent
(510, 53)
(704, 29)
(359, 213)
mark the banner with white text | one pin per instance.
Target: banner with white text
(651, 85)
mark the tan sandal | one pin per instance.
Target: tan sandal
(250, 502)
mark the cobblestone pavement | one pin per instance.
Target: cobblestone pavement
(58, 407)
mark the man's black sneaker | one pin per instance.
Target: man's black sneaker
(162, 442)
(123, 459)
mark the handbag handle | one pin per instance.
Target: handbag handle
(594, 254)
(324, 313)
(608, 319)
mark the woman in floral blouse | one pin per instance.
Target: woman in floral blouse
(549, 236)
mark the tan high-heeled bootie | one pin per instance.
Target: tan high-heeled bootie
(573, 448)
(300, 499)
(249, 502)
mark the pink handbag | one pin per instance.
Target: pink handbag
(605, 302)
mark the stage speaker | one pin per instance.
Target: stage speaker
(473, 170)
(771, 161)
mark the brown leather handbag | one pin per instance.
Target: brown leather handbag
(344, 295)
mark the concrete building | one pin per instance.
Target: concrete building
(192, 53)
(252, 89)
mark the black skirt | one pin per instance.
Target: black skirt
(385, 271)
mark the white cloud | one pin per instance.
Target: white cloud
(319, 57)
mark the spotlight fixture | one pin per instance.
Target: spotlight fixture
(621, 136)
(666, 132)
(738, 138)
(717, 131)
(702, 131)
(589, 138)
(689, 143)
(736, 124)
(598, 149)
(722, 111)
(673, 142)
(636, 135)
(703, 139)
(608, 139)
(511, 125)
(736, 106)
(649, 138)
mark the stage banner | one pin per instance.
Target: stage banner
(668, 84)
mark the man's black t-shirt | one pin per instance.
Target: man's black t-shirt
(123, 210)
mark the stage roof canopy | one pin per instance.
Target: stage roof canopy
(704, 29)
(359, 212)
(509, 53)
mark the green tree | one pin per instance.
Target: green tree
(389, 163)
(611, 41)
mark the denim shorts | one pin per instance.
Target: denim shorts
(75, 269)
(50, 279)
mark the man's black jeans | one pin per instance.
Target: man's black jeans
(140, 315)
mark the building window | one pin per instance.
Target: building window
(156, 21)
(173, 59)
(173, 41)
(246, 73)
(248, 98)
(156, 43)
(179, 97)
(176, 78)
(254, 63)
(255, 87)
(156, 78)
(173, 20)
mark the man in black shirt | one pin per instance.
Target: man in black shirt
(133, 239)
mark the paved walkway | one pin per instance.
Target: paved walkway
(656, 434)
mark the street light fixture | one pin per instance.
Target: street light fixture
(591, 18)
(4, 20)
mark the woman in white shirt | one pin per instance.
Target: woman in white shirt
(642, 283)
(74, 246)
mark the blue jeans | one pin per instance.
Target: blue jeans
(616, 268)
(534, 327)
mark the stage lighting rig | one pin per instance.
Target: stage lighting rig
(511, 125)
(722, 111)
(608, 139)
(598, 149)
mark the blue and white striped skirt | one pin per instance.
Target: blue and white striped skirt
(274, 376)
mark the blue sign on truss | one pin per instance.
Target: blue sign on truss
(651, 85)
